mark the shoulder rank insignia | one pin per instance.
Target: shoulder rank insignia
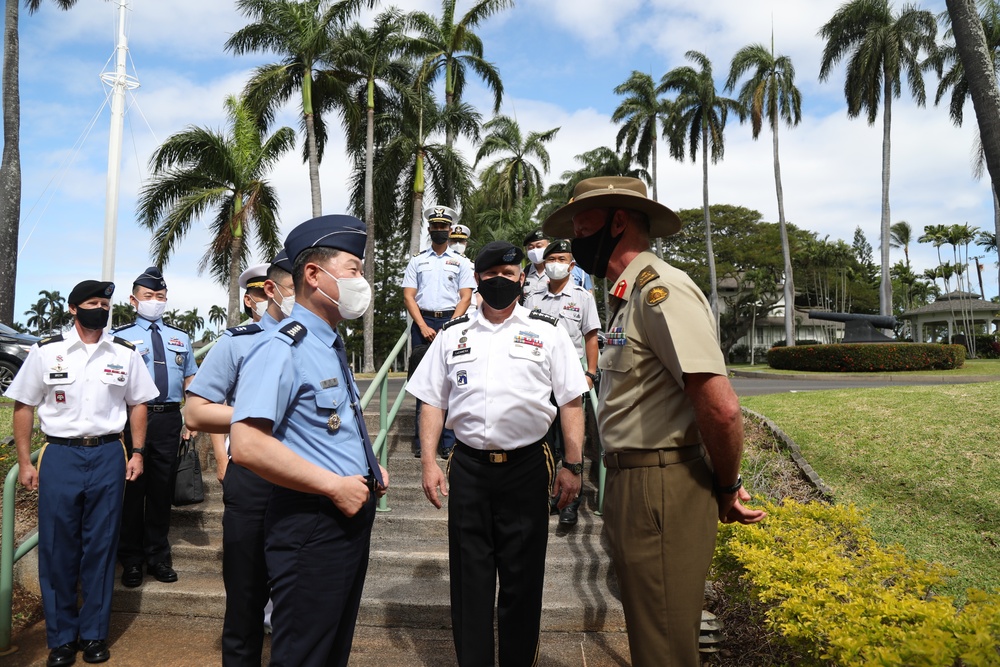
(656, 295)
(171, 326)
(293, 330)
(50, 339)
(646, 276)
(244, 329)
(121, 341)
(457, 320)
(539, 315)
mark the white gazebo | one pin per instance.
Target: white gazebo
(947, 312)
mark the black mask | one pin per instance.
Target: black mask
(92, 318)
(439, 236)
(592, 253)
(499, 292)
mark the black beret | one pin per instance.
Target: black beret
(536, 235)
(560, 245)
(342, 232)
(496, 253)
(151, 278)
(282, 262)
(89, 288)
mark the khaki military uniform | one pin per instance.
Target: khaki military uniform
(660, 512)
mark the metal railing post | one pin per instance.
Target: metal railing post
(8, 557)
(383, 427)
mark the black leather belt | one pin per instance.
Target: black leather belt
(437, 313)
(84, 442)
(651, 458)
(163, 407)
(497, 455)
(370, 482)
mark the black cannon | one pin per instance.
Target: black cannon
(860, 328)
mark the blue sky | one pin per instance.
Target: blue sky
(559, 59)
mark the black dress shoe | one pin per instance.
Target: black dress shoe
(62, 655)
(132, 576)
(95, 650)
(163, 572)
(445, 453)
(568, 516)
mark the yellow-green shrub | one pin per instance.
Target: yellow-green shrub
(838, 597)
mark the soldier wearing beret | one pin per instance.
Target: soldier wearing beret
(299, 425)
(669, 420)
(489, 376)
(170, 360)
(245, 494)
(83, 397)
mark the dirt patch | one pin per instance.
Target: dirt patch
(26, 608)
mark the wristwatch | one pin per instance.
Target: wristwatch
(575, 468)
(592, 376)
(736, 486)
(139, 450)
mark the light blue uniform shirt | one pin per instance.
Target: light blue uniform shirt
(297, 386)
(179, 357)
(437, 278)
(218, 374)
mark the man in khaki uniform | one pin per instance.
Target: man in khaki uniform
(667, 414)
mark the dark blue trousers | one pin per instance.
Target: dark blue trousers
(79, 514)
(244, 570)
(447, 440)
(317, 559)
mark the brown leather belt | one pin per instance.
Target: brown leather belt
(651, 458)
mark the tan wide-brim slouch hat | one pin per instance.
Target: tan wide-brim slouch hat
(612, 192)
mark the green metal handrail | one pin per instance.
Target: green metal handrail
(602, 470)
(386, 417)
(8, 556)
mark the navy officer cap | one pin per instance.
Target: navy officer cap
(536, 235)
(151, 278)
(89, 288)
(496, 253)
(342, 232)
(562, 245)
(282, 262)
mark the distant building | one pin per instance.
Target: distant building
(939, 321)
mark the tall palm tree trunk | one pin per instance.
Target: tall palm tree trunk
(369, 317)
(656, 197)
(235, 312)
(785, 249)
(307, 113)
(885, 285)
(416, 223)
(10, 168)
(714, 299)
(996, 226)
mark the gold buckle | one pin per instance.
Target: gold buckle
(498, 457)
(90, 442)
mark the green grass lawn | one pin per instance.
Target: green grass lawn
(983, 367)
(923, 461)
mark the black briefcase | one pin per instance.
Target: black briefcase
(188, 486)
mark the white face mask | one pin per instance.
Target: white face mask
(151, 310)
(459, 248)
(259, 307)
(556, 270)
(287, 302)
(355, 296)
(535, 255)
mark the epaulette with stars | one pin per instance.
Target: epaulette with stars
(656, 294)
(457, 320)
(293, 331)
(244, 329)
(544, 317)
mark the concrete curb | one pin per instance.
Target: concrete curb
(880, 377)
(807, 471)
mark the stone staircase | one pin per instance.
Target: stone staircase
(407, 583)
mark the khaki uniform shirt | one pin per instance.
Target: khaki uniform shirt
(662, 329)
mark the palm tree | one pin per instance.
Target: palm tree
(601, 161)
(900, 236)
(512, 175)
(36, 317)
(198, 171)
(217, 316)
(122, 314)
(301, 32)
(699, 119)
(881, 46)
(448, 48)
(10, 166)
(770, 91)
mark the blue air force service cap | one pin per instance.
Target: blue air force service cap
(342, 232)
(496, 253)
(89, 288)
(151, 278)
(282, 262)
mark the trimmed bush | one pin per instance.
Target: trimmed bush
(826, 588)
(867, 357)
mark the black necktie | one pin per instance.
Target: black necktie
(159, 363)
(338, 346)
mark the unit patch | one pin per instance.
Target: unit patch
(60, 397)
(656, 295)
(462, 378)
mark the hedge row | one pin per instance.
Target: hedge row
(828, 591)
(867, 357)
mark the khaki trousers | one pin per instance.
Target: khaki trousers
(661, 523)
